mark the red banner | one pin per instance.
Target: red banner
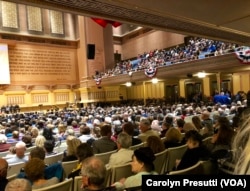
(104, 22)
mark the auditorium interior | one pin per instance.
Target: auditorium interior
(59, 55)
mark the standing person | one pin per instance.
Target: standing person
(20, 151)
(18, 184)
(93, 174)
(3, 173)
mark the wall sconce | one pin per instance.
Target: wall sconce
(201, 74)
(154, 80)
(128, 84)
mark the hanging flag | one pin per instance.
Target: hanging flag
(150, 72)
(98, 81)
(104, 22)
(243, 54)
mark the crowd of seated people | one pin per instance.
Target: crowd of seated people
(197, 48)
(137, 124)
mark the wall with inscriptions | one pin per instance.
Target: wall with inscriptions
(32, 64)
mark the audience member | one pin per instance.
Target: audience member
(195, 152)
(155, 143)
(173, 138)
(167, 123)
(85, 133)
(128, 128)
(83, 151)
(197, 123)
(180, 124)
(34, 169)
(240, 146)
(207, 124)
(124, 154)
(146, 131)
(104, 144)
(222, 139)
(27, 139)
(3, 173)
(39, 141)
(4, 146)
(142, 164)
(18, 184)
(93, 174)
(20, 154)
(49, 148)
(70, 153)
(50, 171)
(188, 126)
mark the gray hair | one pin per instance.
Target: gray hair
(18, 184)
(95, 170)
(124, 140)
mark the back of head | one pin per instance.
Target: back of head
(72, 143)
(27, 139)
(19, 184)
(124, 140)
(128, 128)
(145, 155)
(106, 130)
(39, 142)
(188, 126)
(180, 122)
(155, 143)
(3, 168)
(49, 146)
(194, 136)
(94, 169)
(169, 120)
(83, 151)
(37, 152)
(3, 138)
(84, 129)
(20, 149)
(173, 135)
(145, 124)
(34, 169)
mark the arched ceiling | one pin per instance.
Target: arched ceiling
(225, 20)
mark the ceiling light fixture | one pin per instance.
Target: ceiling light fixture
(154, 80)
(128, 84)
(201, 74)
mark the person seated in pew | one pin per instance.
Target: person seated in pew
(53, 170)
(18, 184)
(105, 143)
(3, 173)
(124, 154)
(93, 174)
(195, 151)
(34, 170)
(49, 148)
(173, 138)
(83, 151)
(142, 164)
(20, 154)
